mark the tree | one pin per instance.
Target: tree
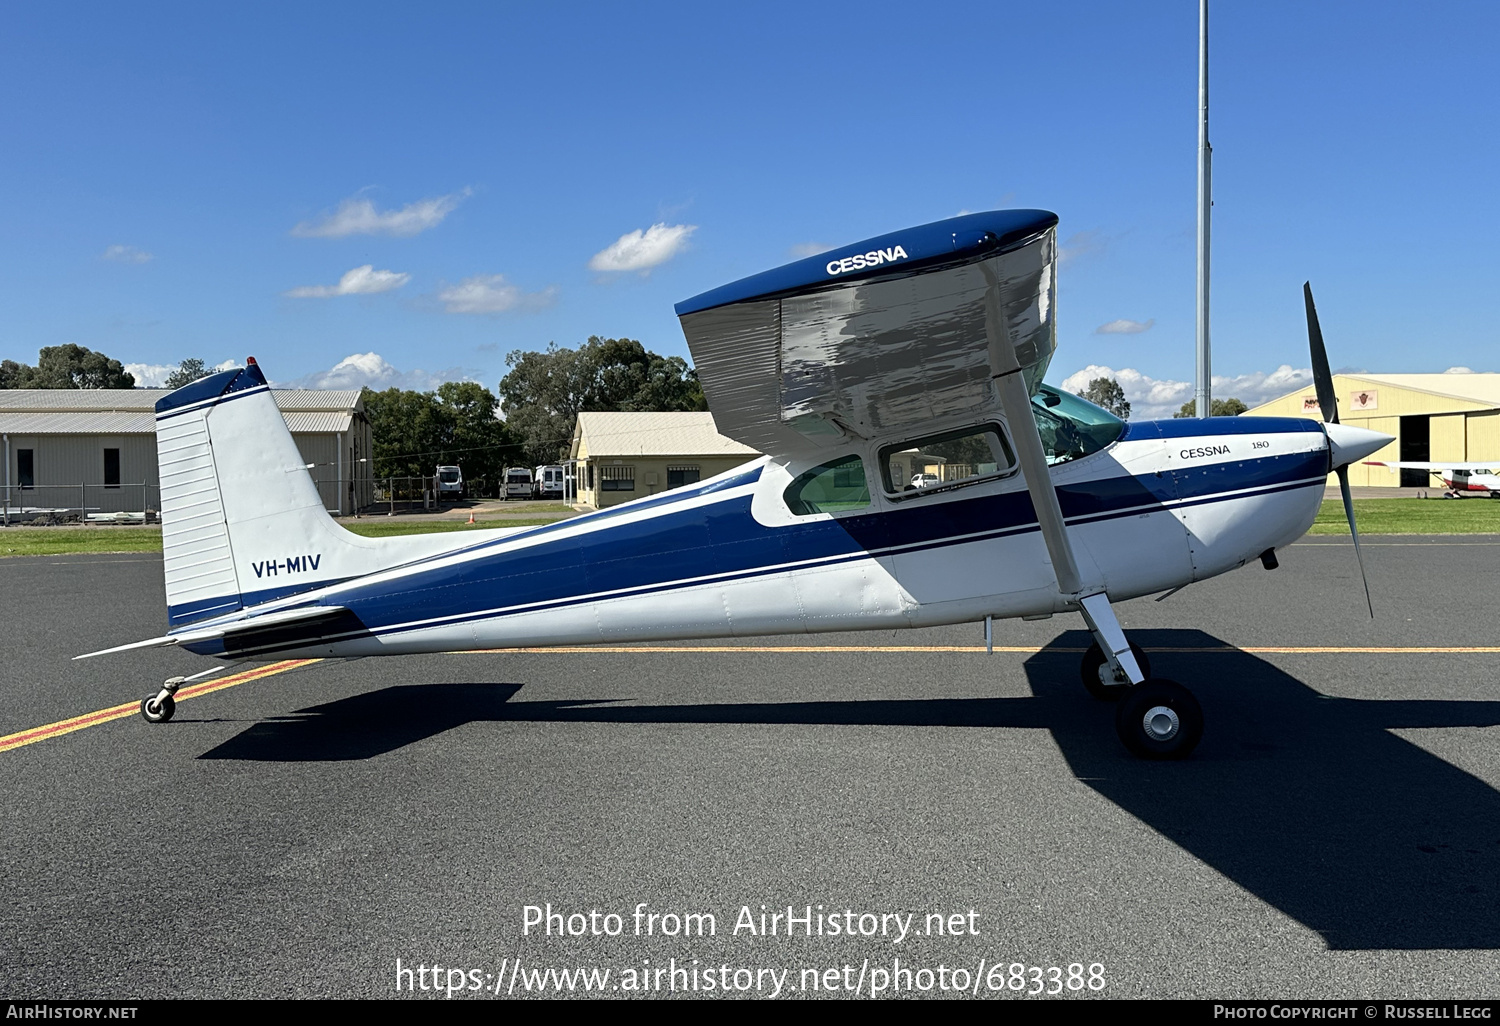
(1107, 394)
(544, 392)
(415, 432)
(66, 366)
(1216, 408)
(187, 372)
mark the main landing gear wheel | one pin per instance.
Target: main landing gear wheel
(1099, 681)
(1159, 719)
(158, 708)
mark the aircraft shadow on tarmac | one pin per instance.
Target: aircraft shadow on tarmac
(1308, 802)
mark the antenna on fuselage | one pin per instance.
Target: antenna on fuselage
(1204, 388)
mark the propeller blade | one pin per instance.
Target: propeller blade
(1343, 473)
(1322, 377)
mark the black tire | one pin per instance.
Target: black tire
(158, 712)
(1094, 664)
(1159, 719)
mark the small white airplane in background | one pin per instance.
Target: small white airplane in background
(1460, 479)
(934, 340)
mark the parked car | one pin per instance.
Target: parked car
(450, 483)
(923, 480)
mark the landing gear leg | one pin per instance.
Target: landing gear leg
(1157, 719)
(1121, 667)
(158, 708)
(1105, 682)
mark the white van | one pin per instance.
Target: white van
(517, 483)
(548, 483)
(450, 483)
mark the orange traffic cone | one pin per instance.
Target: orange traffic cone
(471, 516)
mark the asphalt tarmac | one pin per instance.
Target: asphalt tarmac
(1336, 835)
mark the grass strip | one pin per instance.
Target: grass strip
(1411, 516)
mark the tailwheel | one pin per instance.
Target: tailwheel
(158, 708)
(1159, 719)
(1098, 679)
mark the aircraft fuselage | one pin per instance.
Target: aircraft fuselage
(1168, 503)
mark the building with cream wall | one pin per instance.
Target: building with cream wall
(617, 457)
(1435, 418)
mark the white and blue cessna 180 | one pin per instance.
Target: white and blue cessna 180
(917, 472)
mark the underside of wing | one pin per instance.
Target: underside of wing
(872, 339)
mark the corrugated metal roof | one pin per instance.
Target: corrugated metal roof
(59, 400)
(119, 422)
(319, 423)
(101, 422)
(653, 434)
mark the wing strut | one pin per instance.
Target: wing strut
(1005, 371)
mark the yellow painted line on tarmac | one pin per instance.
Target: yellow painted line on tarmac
(119, 712)
(1026, 649)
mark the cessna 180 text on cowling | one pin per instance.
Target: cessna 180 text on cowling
(855, 382)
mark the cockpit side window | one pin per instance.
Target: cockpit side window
(833, 487)
(1072, 428)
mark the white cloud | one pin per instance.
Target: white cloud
(807, 249)
(492, 294)
(154, 375)
(1123, 326)
(1080, 245)
(1158, 398)
(358, 216)
(1458, 370)
(358, 282)
(359, 370)
(643, 250)
(126, 254)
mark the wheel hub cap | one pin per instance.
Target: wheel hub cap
(1161, 723)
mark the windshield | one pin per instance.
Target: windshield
(1072, 427)
(448, 476)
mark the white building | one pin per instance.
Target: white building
(622, 456)
(96, 448)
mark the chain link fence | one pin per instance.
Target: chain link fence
(37, 505)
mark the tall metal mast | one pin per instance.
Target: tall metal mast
(1204, 388)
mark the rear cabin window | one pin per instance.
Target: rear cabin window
(834, 487)
(924, 465)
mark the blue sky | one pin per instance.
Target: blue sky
(440, 184)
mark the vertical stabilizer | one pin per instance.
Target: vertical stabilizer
(242, 521)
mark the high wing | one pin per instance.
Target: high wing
(878, 337)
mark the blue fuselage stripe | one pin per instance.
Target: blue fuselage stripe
(722, 542)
